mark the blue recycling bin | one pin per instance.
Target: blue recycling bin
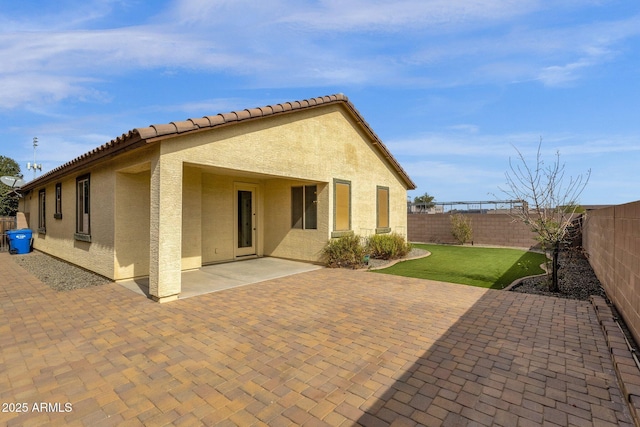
(19, 241)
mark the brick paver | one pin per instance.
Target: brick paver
(328, 347)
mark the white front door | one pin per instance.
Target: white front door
(245, 220)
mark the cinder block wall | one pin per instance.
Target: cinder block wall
(611, 237)
(488, 229)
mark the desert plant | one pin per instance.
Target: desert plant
(461, 228)
(387, 246)
(345, 251)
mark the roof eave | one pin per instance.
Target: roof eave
(122, 144)
(155, 133)
(383, 148)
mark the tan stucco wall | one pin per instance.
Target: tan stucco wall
(170, 206)
(280, 239)
(99, 255)
(59, 238)
(217, 218)
(165, 261)
(218, 215)
(132, 224)
(191, 218)
(317, 146)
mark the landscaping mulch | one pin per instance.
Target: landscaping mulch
(576, 279)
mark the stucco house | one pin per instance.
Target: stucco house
(278, 181)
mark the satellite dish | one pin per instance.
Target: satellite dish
(12, 181)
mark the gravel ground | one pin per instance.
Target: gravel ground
(576, 279)
(58, 274)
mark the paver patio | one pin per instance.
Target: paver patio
(327, 347)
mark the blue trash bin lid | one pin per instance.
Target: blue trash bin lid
(23, 233)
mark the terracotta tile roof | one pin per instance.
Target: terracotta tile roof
(139, 137)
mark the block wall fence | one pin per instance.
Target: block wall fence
(488, 229)
(611, 238)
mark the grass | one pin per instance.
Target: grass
(494, 268)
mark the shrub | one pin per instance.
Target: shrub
(387, 246)
(345, 251)
(461, 228)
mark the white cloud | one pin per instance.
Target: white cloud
(287, 44)
(452, 172)
(462, 163)
(469, 141)
(31, 89)
(59, 15)
(366, 15)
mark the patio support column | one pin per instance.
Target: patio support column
(165, 257)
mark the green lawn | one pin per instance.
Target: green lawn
(494, 268)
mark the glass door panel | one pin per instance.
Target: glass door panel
(245, 223)
(245, 219)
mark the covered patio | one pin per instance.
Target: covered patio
(217, 277)
(211, 215)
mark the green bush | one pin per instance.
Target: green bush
(387, 246)
(345, 251)
(461, 228)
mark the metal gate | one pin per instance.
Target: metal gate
(6, 223)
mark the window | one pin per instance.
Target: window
(382, 210)
(41, 211)
(341, 207)
(304, 207)
(82, 209)
(58, 213)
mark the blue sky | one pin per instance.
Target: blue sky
(451, 87)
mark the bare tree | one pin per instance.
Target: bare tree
(550, 201)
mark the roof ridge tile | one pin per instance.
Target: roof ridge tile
(184, 126)
(255, 112)
(201, 122)
(165, 129)
(216, 120)
(243, 115)
(231, 116)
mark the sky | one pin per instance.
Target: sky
(454, 89)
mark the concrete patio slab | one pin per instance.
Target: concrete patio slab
(321, 348)
(216, 277)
